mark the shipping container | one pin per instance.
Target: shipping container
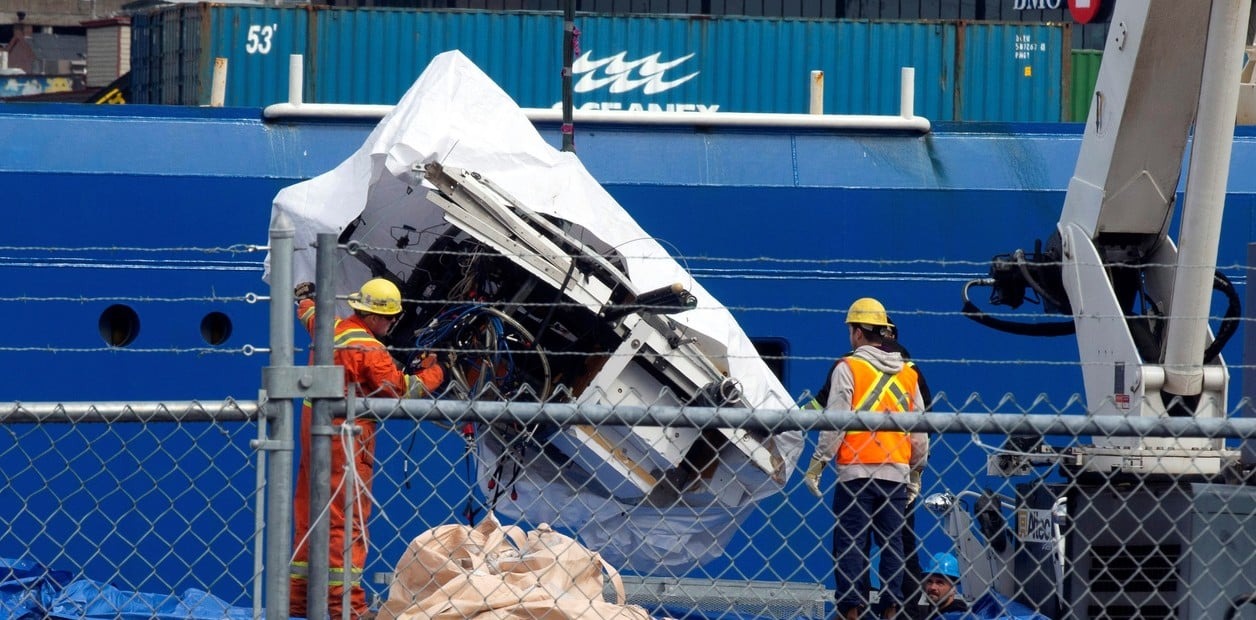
(1013, 72)
(1085, 72)
(1085, 36)
(642, 63)
(732, 64)
(173, 52)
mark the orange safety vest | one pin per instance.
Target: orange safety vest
(878, 391)
(367, 363)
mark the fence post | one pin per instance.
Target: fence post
(279, 412)
(321, 431)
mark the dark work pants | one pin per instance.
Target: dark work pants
(868, 511)
(912, 577)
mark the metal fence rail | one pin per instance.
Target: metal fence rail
(189, 516)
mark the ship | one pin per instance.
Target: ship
(135, 265)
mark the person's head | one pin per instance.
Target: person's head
(941, 578)
(867, 322)
(378, 302)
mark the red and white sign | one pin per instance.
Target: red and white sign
(1083, 10)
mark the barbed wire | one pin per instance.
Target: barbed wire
(896, 312)
(981, 264)
(238, 248)
(245, 350)
(249, 350)
(144, 299)
(166, 266)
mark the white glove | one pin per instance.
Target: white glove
(913, 486)
(812, 477)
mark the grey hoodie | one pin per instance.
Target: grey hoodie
(840, 395)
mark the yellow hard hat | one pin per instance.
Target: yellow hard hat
(377, 296)
(867, 311)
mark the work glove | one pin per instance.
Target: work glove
(429, 373)
(304, 290)
(812, 477)
(913, 486)
(422, 362)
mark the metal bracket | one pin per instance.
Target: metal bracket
(304, 381)
(271, 445)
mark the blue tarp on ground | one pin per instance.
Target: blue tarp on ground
(31, 591)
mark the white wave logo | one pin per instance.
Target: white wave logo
(619, 73)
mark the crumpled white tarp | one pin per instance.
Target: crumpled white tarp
(454, 114)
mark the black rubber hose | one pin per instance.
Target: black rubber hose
(1230, 322)
(1023, 265)
(1049, 329)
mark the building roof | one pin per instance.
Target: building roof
(58, 46)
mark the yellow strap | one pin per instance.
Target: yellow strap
(301, 570)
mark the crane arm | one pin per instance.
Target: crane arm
(1140, 303)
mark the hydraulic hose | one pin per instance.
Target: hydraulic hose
(1048, 329)
(1023, 266)
(1230, 322)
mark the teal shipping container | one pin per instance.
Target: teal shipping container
(173, 52)
(964, 70)
(1014, 72)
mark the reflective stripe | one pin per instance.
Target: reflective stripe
(335, 576)
(355, 335)
(904, 399)
(873, 394)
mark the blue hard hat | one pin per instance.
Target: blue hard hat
(943, 564)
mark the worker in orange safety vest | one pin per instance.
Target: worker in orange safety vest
(370, 369)
(874, 467)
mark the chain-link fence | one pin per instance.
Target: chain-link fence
(133, 504)
(101, 497)
(697, 501)
(1006, 494)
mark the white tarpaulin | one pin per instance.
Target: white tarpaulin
(455, 115)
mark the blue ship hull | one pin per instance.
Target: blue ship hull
(165, 211)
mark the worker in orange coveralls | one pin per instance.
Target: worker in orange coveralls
(367, 364)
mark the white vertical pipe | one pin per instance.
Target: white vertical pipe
(1206, 178)
(218, 89)
(907, 92)
(817, 92)
(296, 78)
(4, 60)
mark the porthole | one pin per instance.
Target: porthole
(119, 325)
(215, 328)
(775, 352)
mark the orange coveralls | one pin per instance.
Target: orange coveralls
(368, 365)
